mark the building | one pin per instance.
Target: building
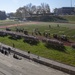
(64, 11)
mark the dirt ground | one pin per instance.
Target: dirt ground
(21, 24)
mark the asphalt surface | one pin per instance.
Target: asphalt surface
(12, 66)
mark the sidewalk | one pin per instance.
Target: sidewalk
(44, 61)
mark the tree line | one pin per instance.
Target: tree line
(2, 15)
(30, 9)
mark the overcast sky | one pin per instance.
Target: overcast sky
(12, 5)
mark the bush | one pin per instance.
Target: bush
(26, 32)
(51, 43)
(15, 37)
(8, 29)
(3, 34)
(31, 40)
(63, 38)
(55, 36)
(73, 45)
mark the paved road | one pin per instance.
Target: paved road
(12, 66)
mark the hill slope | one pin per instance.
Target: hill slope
(69, 18)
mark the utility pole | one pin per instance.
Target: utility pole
(74, 9)
(71, 3)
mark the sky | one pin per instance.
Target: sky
(13, 5)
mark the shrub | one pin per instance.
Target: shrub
(26, 32)
(64, 38)
(15, 37)
(3, 34)
(55, 36)
(8, 29)
(52, 43)
(73, 45)
(31, 40)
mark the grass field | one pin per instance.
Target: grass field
(67, 57)
(7, 22)
(63, 29)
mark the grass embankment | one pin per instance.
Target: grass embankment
(67, 57)
(69, 18)
(54, 18)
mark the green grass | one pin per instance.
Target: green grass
(63, 29)
(67, 57)
(7, 22)
(70, 18)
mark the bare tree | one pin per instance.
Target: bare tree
(45, 8)
(30, 9)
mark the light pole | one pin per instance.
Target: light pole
(71, 3)
(74, 9)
